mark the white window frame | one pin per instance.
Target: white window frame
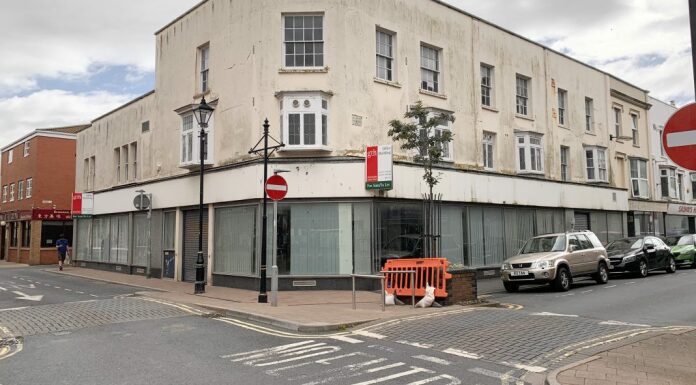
(693, 186)
(27, 145)
(589, 114)
(304, 105)
(523, 95)
(617, 121)
(10, 156)
(384, 52)
(634, 129)
(20, 190)
(433, 66)
(134, 160)
(92, 172)
(117, 164)
(125, 164)
(488, 150)
(192, 134)
(565, 163)
(30, 187)
(316, 43)
(12, 190)
(4, 193)
(670, 174)
(562, 107)
(447, 154)
(680, 186)
(487, 85)
(204, 67)
(530, 153)
(599, 164)
(639, 178)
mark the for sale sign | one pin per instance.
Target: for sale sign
(82, 205)
(378, 168)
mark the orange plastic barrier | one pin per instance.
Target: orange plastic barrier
(431, 271)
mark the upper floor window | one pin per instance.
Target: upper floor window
(30, 186)
(204, 56)
(639, 178)
(486, 85)
(385, 55)
(125, 165)
(437, 132)
(589, 110)
(134, 160)
(190, 141)
(4, 194)
(12, 189)
(522, 95)
(530, 153)
(562, 100)
(145, 126)
(26, 148)
(634, 129)
(303, 40)
(430, 68)
(565, 167)
(617, 122)
(92, 173)
(20, 190)
(117, 164)
(659, 138)
(596, 164)
(488, 146)
(693, 186)
(10, 156)
(305, 120)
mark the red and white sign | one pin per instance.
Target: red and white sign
(276, 187)
(82, 204)
(378, 168)
(50, 214)
(679, 137)
(680, 209)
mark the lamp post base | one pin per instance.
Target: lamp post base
(263, 298)
(199, 286)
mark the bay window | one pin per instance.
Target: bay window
(596, 164)
(671, 183)
(189, 150)
(305, 120)
(530, 153)
(639, 178)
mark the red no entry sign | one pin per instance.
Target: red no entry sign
(276, 187)
(679, 137)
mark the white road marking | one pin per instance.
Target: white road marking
(415, 344)
(385, 367)
(68, 290)
(347, 339)
(56, 287)
(413, 370)
(365, 333)
(453, 380)
(30, 286)
(277, 348)
(529, 368)
(683, 138)
(80, 292)
(586, 291)
(490, 373)
(609, 287)
(14, 308)
(3, 289)
(629, 283)
(621, 323)
(433, 359)
(555, 314)
(94, 295)
(380, 347)
(462, 353)
(26, 297)
(567, 295)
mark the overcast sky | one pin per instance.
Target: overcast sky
(68, 61)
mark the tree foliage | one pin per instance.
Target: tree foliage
(419, 133)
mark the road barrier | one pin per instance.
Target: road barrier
(431, 271)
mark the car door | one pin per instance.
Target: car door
(589, 256)
(664, 252)
(652, 254)
(576, 255)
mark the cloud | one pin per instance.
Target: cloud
(53, 108)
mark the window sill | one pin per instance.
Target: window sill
(431, 93)
(525, 117)
(636, 146)
(304, 70)
(387, 82)
(590, 133)
(564, 127)
(202, 94)
(604, 182)
(532, 173)
(195, 165)
(295, 148)
(489, 108)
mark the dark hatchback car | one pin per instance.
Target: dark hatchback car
(640, 255)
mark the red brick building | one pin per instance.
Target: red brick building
(37, 178)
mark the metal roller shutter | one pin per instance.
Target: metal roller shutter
(191, 242)
(582, 221)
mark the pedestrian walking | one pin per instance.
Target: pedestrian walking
(62, 247)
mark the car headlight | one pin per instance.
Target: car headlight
(542, 265)
(506, 266)
(630, 258)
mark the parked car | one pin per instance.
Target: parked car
(640, 255)
(403, 246)
(557, 259)
(683, 249)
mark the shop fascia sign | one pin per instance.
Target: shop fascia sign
(82, 205)
(379, 171)
(679, 209)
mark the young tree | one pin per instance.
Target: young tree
(419, 133)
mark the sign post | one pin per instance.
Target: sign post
(679, 137)
(378, 168)
(276, 188)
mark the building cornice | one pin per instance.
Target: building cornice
(629, 99)
(40, 133)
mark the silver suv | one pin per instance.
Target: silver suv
(557, 259)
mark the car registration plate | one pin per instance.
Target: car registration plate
(519, 273)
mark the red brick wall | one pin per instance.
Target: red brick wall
(21, 168)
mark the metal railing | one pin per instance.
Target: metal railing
(411, 273)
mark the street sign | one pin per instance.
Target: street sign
(142, 201)
(276, 187)
(679, 137)
(378, 168)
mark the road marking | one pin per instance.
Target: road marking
(415, 344)
(462, 353)
(348, 339)
(529, 368)
(586, 291)
(56, 287)
(94, 295)
(554, 314)
(609, 287)
(629, 283)
(380, 347)
(385, 367)
(80, 292)
(3, 289)
(365, 333)
(490, 373)
(14, 308)
(680, 139)
(277, 348)
(414, 370)
(433, 359)
(68, 290)
(621, 323)
(28, 297)
(453, 380)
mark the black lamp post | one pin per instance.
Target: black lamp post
(202, 112)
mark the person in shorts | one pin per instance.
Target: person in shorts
(62, 247)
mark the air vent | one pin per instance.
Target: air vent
(307, 283)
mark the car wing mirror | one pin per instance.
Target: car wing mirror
(650, 248)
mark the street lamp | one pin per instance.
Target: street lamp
(202, 112)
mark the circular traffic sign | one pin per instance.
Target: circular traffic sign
(276, 187)
(679, 137)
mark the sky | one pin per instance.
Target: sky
(67, 62)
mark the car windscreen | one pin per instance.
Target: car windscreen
(686, 240)
(545, 244)
(625, 244)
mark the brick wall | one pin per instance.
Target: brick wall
(461, 288)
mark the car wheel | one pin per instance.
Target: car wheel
(511, 287)
(563, 280)
(602, 274)
(642, 268)
(671, 266)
